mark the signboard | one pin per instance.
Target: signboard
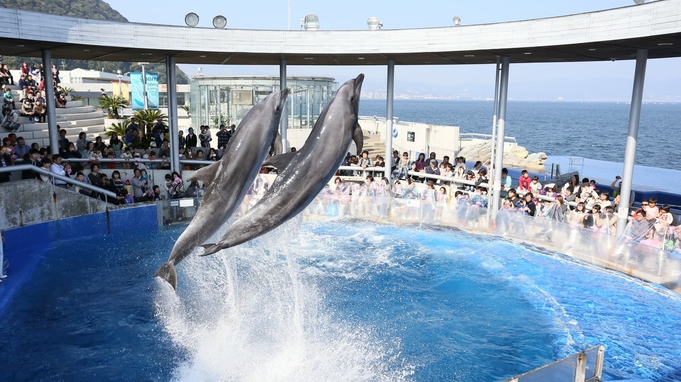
(137, 90)
(121, 89)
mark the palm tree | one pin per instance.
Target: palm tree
(118, 128)
(147, 118)
(112, 104)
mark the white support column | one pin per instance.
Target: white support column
(495, 190)
(632, 136)
(49, 99)
(171, 80)
(501, 133)
(283, 126)
(389, 119)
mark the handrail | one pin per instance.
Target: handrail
(489, 136)
(40, 170)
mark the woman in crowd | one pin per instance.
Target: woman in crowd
(205, 137)
(89, 149)
(116, 180)
(93, 176)
(212, 155)
(115, 142)
(421, 162)
(177, 187)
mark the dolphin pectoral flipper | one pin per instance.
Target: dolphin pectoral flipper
(210, 249)
(278, 145)
(167, 272)
(358, 137)
(280, 161)
(206, 174)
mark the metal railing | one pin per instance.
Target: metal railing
(585, 366)
(66, 179)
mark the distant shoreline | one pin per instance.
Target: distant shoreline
(518, 100)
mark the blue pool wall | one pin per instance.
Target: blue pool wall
(25, 246)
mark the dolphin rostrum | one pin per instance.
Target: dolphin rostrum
(309, 170)
(227, 181)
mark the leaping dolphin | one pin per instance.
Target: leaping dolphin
(309, 170)
(227, 181)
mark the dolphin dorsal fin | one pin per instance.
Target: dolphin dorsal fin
(358, 137)
(279, 161)
(205, 174)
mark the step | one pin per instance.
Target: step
(39, 130)
(82, 122)
(78, 116)
(75, 109)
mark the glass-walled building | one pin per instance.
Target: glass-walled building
(225, 100)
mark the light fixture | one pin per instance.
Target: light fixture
(146, 54)
(457, 21)
(592, 49)
(203, 56)
(665, 44)
(527, 53)
(469, 55)
(219, 21)
(374, 23)
(639, 2)
(191, 19)
(310, 22)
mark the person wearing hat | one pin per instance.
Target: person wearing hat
(432, 168)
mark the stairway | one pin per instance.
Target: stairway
(374, 145)
(74, 118)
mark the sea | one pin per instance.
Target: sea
(589, 137)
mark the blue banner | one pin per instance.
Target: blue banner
(152, 91)
(137, 90)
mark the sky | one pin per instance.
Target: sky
(573, 81)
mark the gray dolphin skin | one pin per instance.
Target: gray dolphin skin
(308, 171)
(227, 181)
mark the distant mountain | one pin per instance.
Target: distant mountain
(88, 9)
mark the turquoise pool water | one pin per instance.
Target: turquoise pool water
(344, 300)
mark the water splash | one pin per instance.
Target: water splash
(247, 314)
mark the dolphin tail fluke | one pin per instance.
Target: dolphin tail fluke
(167, 272)
(210, 249)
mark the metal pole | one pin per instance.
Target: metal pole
(50, 101)
(171, 80)
(283, 126)
(632, 136)
(389, 118)
(144, 87)
(501, 126)
(495, 190)
(206, 121)
(217, 105)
